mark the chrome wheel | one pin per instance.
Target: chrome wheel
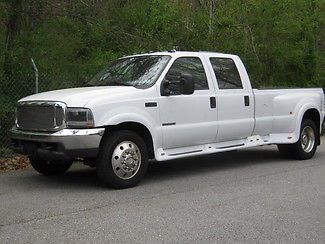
(126, 160)
(308, 139)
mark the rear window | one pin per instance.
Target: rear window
(226, 73)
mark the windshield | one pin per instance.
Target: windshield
(139, 71)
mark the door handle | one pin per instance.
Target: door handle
(213, 102)
(246, 100)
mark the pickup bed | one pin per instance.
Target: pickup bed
(163, 106)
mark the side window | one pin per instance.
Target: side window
(192, 66)
(226, 73)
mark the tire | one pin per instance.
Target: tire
(49, 167)
(306, 146)
(123, 159)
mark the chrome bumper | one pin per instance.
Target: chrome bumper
(64, 144)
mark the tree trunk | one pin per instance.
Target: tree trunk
(212, 12)
(12, 28)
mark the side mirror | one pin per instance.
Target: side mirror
(184, 85)
(187, 84)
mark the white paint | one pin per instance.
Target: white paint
(274, 116)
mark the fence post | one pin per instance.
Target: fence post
(36, 75)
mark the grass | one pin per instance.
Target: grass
(5, 152)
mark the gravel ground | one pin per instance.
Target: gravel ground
(16, 162)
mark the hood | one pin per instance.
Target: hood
(79, 97)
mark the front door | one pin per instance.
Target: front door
(189, 120)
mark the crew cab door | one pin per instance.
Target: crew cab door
(189, 120)
(235, 99)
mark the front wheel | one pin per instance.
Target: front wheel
(123, 159)
(305, 147)
(46, 167)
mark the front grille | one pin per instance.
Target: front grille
(40, 116)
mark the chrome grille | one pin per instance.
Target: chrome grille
(40, 116)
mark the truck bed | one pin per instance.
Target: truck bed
(275, 108)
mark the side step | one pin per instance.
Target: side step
(174, 153)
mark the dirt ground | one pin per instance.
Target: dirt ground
(13, 163)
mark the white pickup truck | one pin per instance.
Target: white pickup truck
(163, 106)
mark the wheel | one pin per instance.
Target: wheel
(123, 159)
(305, 147)
(49, 167)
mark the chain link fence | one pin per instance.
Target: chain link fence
(20, 84)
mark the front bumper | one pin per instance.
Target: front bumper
(65, 144)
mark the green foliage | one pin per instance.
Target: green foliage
(7, 113)
(5, 152)
(281, 42)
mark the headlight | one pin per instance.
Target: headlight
(79, 118)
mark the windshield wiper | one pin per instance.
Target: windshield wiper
(118, 83)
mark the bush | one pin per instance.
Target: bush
(5, 152)
(7, 119)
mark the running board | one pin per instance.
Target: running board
(237, 145)
(252, 141)
(176, 154)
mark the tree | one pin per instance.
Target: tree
(12, 29)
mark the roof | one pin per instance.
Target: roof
(182, 53)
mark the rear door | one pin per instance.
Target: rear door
(235, 100)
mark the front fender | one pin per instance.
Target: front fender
(127, 117)
(146, 117)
